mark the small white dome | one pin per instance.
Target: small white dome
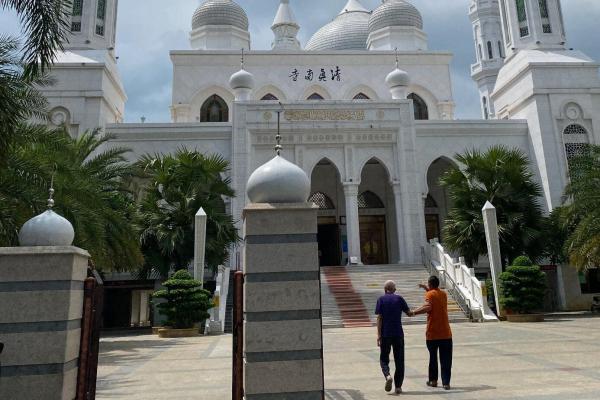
(348, 31)
(220, 12)
(47, 229)
(242, 80)
(395, 13)
(278, 181)
(397, 78)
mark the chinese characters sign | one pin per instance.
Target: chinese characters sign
(316, 75)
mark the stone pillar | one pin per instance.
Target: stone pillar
(403, 257)
(352, 223)
(41, 303)
(490, 223)
(199, 244)
(282, 303)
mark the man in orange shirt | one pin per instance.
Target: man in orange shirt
(439, 334)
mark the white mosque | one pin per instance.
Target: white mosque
(364, 108)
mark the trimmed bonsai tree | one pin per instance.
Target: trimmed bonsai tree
(185, 302)
(523, 286)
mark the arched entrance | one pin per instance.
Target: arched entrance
(378, 241)
(437, 202)
(328, 195)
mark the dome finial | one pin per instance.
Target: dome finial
(278, 146)
(51, 194)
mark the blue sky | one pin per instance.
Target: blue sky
(147, 33)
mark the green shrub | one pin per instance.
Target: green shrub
(523, 286)
(186, 303)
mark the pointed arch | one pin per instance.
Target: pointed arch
(420, 107)
(315, 90)
(269, 97)
(361, 96)
(214, 109)
(315, 96)
(271, 90)
(200, 97)
(322, 201)
(361, 92)
(369, 200)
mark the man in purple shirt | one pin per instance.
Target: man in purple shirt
(390, 335)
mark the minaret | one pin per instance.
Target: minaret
(93, 25)
(489, 50)
(532, 24)
(285, 28)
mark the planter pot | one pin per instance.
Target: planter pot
(177, 333)
(525, 317)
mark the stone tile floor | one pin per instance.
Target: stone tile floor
(554, 360)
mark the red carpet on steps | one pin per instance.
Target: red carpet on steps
(352, 309)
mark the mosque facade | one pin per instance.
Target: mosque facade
(364, 108)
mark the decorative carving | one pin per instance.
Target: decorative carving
(325, 115)
(267, 116)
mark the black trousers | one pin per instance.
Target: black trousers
(445, 349)
(397, 344)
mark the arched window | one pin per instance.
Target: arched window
(315, 96)
(546, 27)
(430, 202)
(214, 109)
(76, 16)
(421, 110)
(269, 96)
(369, 199)
(486, 113)
(500, 49)
(480, 51)
(322, 201)
(361, 96)
(576, 141)
(490, 50)
(522, 17)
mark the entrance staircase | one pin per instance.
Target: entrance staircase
(349, 294)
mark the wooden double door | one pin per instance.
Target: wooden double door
(373, 240)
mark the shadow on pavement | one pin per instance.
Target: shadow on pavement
(343, 394)
(455, 389)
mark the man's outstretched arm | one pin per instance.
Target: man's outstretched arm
(424, 309)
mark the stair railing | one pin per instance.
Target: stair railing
(460, 281)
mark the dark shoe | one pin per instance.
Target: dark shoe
(446, 387)
(398, 390)
(389, 381)
(432, 383)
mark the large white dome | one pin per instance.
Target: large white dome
(348, 31)
(395, 13)
(220, 12)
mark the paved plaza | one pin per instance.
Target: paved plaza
(555, 360)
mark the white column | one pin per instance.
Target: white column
(400, 228)
(144, 315)
(135, 308)
(352, 222)
(199, 245)
(490, 223)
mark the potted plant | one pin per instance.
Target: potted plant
(185, 304)
(523, 286)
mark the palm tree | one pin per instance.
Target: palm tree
(179, 185)
(90, 192)
(45, 23)
(502, 176)
(580, 216)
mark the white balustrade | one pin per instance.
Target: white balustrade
(456, 274)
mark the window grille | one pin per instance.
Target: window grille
(315, 96)
(322, 201)
(575, 129)
(369, 199)
(100, 17)
(546, 27)
(361, 96)
(522, 17)
(269, 96)
(76, 15)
